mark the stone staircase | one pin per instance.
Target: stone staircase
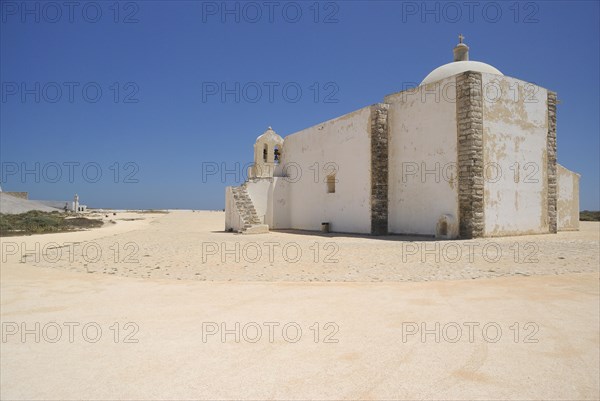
(245, 207)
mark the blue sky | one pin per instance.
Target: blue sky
(128, 90)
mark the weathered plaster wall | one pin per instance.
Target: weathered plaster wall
(422, 157)
(568, 199)
(233, 220)
(340, 146)
(515, 130)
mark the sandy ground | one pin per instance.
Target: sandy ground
(129, 330)
(189, 245)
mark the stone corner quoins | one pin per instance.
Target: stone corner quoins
(379, 168)
(551, 150)
(469, 120)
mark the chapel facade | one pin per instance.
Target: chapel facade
(468, 153)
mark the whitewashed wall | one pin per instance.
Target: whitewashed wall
(233, 221)
(258, 190)
(515, 129)
(342, 145)
(270, 199)
(568, 199)
(423, 136)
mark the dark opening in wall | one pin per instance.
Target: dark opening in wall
(276, 155)
(331, 184)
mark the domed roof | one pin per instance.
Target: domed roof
(269, 135)
(456, 67)
(460, 64)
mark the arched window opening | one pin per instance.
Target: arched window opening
(276, 155)
(265, 153)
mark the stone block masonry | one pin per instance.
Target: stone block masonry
(379, 168)
(551, 152)
(469, 118)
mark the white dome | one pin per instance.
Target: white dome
(269, 135)
(456, 67)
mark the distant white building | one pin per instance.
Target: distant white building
(76, 206)
(468, 153)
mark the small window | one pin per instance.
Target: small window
(265, 153)
(331, 184)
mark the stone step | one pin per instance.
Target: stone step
(256, 229)
(251, 222)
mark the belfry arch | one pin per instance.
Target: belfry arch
(268, 151)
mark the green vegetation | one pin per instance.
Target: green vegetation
(588, 215)
(36, 222)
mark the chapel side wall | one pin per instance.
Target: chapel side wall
(515, 155)
(568, 199)
(423, 182)
(341, 145)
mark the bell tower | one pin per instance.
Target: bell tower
(268, 152)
